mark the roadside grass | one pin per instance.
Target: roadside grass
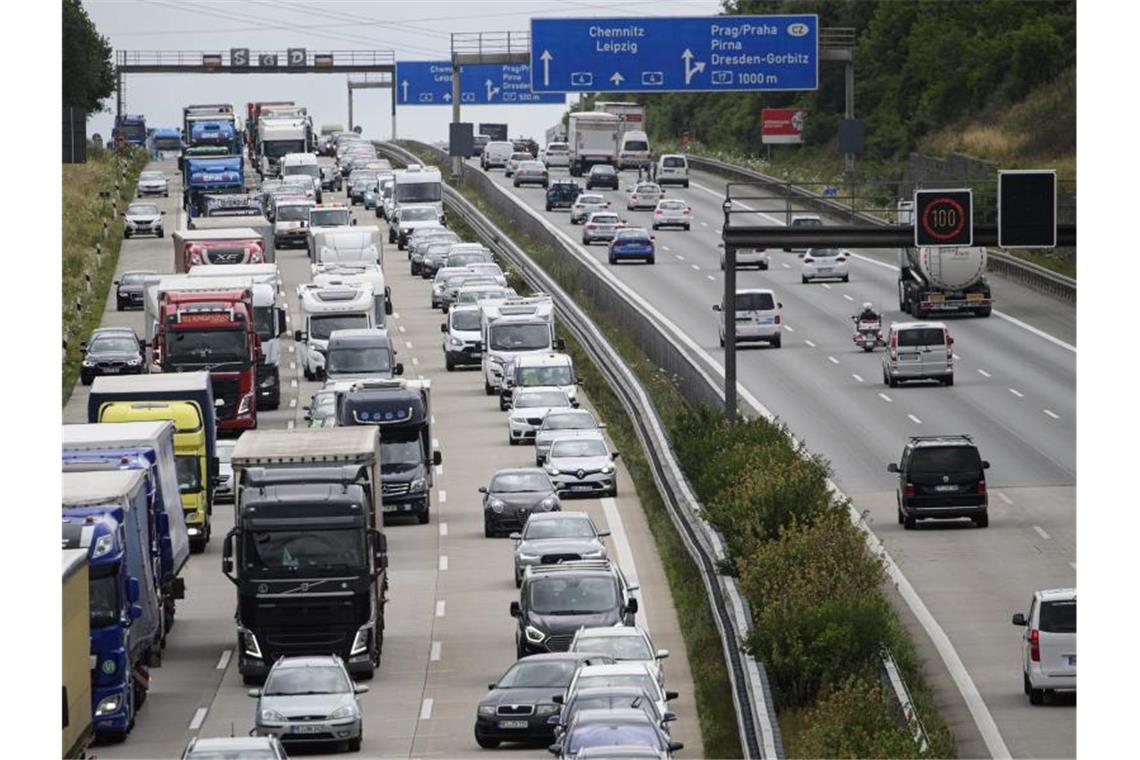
(84, 211)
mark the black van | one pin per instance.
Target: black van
(941, 477)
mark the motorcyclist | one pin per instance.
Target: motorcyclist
(867, 313)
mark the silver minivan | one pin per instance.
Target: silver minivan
(672, 169)
(757, 317)
(918, 351)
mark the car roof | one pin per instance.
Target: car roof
(542, 360)
(747, 291)
(917, 325)
(587, 436)
(1056, 594)
(360, 335)
(233, 742)
(931, 441)
(613, 631)
(624, 668)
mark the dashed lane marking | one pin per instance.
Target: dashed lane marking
(199, 717)
(436, 650)
(833, 360)
(983, 373)
(1041, 532)
(1005, 498)
(224, 660)
(443, 562)
(809, 343)
(425, 708)
(443, 529)
(885, 397)
(1017, 393)
(1052, 414)
(857, 378)
(914, 419)
(440, 608)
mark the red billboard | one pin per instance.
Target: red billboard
(781, 125)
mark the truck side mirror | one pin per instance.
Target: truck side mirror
(615, 455)
(132, 590)
(717, 307)
(281, 329)
(515, 610)
(399, 370)
(299, 336)
(559, 344)
(437, 457)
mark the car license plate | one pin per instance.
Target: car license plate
(908, 357)
(1072, 660)
(937, 298)
(943, 489)
(581, 488)
(111, 370)
(825, 270)
(763, 320)
(306, 729)
(391, 508)
(512, 724)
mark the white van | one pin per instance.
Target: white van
(672, 169)
(303, 164)
(556, 154)
(1049, 644)
(634, 150)
(346, 245)
(496, 154)
(918, 351)
(757, 317)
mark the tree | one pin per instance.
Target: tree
(88, 73)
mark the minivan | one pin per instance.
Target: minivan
(495, 154)
(757, 317)
(358, 354)
(918, 351)
(1049, 644)
(672, 169)
(634, 150)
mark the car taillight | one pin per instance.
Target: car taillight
(981, 486)
(658, 212)
(777, 321)
(908, 491)
(688, 211)
(1035, 645)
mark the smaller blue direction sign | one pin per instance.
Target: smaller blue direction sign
(428, 83)
(679, 54)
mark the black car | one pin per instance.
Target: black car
(331, 179)
(558, 599)
(526, 144)
(602, 175)
(562, 193)
(941, 477)
(111, 351)
(129, 289)
(511, 497)
(521, 701)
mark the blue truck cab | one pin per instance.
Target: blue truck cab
(105, 513)
(220, 174)
(167, 140)
(131, 127)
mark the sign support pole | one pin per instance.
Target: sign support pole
(849, 109)
(728, 314)
(456, 161)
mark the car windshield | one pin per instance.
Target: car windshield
(572, 595)
(152, 176)
(538, 675)
(755, 302)
(225, 450)
(232, 754)
(611, 735)
(338, 217)
(113, 344)
(418, 215)
(1059, 616)
(573, 527)
(284, 682)
(520, 337)
(357, 359)
(569, 422)
(672, 205)
(824, 253)
(188, 474)
(295, 213)
(605, 680)
(207, 347)
(576, 448)
(935, 460)
(922, 336)
(618, 647)
(541, 399)
(591, 200)
(279, 148)
(632, 236)
(312, 548)
(322, 326)
(142, 209)
(546, 376)
(133, 278)
(521, 482)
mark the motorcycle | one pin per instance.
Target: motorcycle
(868, 334)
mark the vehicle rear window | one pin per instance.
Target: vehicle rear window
(602, 169)
(755, 302)
(636, 145)
(807, 223)
(1059, 616)
(673, 163)
(922, 336)
(945, 459)
(824, 253)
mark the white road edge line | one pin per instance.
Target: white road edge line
(425, 708)
(695, 267)
(440, 608)
(624, 552)
(290, 424)
(983, 373)
(833, 360)
(1052, 414)
(224, 660)
(436, 651)
(199, 718)
(442, 496)
(809, 343)
(1041, 532)
(710, 277)
(443, 562)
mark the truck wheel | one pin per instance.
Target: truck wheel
(776, 341)
(488, 389)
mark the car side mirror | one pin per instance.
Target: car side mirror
(985, 464)
(515, 536)
(631, 606)
(83, 346)
(558, 699)
(603, 533)
(554, 749)
(443, 328)
(671, 695)
(779, 305)
(676, 746)
(164, 213)
(482, 489)
(255, 693)
(717, 307)
(661, 654)
(437, 458)
(668, 717)
(949, 340)
(516, 611)
(399, 370)
(615, 455)
(1019, 619)
(491, 686)
(893, 467)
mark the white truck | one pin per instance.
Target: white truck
(510, 327)
(418, 185)
(276, 139)
(347, 245)
(325, 308)
(632, 115)
(358, 274)
(594, 139)
(268, 321)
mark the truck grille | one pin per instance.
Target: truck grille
(228, 389)
(226, 255)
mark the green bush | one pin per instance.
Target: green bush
(857, 719)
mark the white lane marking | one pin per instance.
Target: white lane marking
(665, 248)
(292, 348)
(789, 328)
(408, 345)
(433, 419)
(809, 343)
(292, 403)
(983, 373)
(857, 378)
(395, 315)
(443, 529)
(786, 266)
(624, 552)
(289, 424)
(415, 362)
(704, 224)
(443, 562)
(914, 419)
(833, 360)
(293, 382)
(440, 608)
(710, 277)
(436, 650)
(1006, 499)
(679, 258)
(442, 496)
(1017, 393)
(885, 397)
(224, 660)
(849, 298)
(1041, 532)
(199, 717)
(1074, 566)
(292, 365)
(1052, 414)
(438, 467)
(695, 267)
(403, 329)
(425, 709)
(824, 284)
(435, 443)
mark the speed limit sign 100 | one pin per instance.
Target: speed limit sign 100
(943, 218)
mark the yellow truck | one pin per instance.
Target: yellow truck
(78, 729)
(191, 455)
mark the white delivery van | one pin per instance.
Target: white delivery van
(325, 308)
(634, 151)
(672, 169)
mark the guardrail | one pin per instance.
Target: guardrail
(756, 717)
(1029, 274)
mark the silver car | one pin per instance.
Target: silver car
(531, 173)
(586, 204)
(550, 537)
(529, 407)
(602, 225)
(569, 423)
(153, 183)
(918, 351)
(583, 465)
(142, 219)
(623, 643)
(224, 491)
(309, 700)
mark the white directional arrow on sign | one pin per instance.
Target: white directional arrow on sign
(617, 79)
(545, 58)
(491, 89)
(694, 69)
(404, 84)
(447, 96)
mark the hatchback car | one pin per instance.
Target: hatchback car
(556, 154)
(632, 243)
(561, 193)
(583, 465)
(747, 257)
(110, 351)
(622, 674)
(624, 644)
(672, 213)
(557, 537)
(643, 195)
(143, 219)
(529, 407)
(570, 423)
(531, 173)
(601, 226)
(614, 727)
(129, 289)
(941, 477)
(308, 700)
(512, 496)
(234, 748)
(516, 159)
(804, 220)
(602, 175)
(1049, 644)
(824, 264)
(758, 317)
(153, 183)
(462, 337)
(586, 204)
(918, 351)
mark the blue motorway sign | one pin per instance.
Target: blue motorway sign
(428, 83)
(679, 54)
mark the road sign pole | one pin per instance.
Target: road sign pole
(456, 161)
(393, 107)
(728, 314)
(350, 122)
(849, 78)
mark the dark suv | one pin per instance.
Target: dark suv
(557, 600)
(941, 477)
(562, 193)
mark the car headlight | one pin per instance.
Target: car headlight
(108, 705)
(348, 711)
(455, 342)
(272, 715)
(607, 469)
(487, 710)
(548, 503)
(360, 643)
(527, 557)
(553, 471)
(544, 710)
(534, 635)
(87, 363)
(417, 485)
(496, 505)
(134, 362)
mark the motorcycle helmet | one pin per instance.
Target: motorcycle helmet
(867, 306)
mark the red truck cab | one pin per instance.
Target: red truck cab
(240, 245)
(213, 331)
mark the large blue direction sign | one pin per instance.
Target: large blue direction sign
(428, 83)
(681, 54)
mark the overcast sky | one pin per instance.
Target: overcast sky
(416, 30)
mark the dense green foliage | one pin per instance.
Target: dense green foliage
(920, 66)
(88, 72)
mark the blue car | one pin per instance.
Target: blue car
(632, 243)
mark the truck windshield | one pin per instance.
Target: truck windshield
(189, 478)
(312, 548)
(532, 337)
(419, 192)
(329, 218)
(320, 327)
(168, 143)
(359, 359)
(278, 148)
(206, 347)
(400, 453)
(105, 595)
(265, 322)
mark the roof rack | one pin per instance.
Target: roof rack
(599, 565)
(943, 437)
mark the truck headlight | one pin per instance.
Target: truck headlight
(534, 636)
(360, 643)
(417, 485)
(527, 557)
(455, 342)
(496, 505)
(103, 545)
(108, 705)
(249, 643)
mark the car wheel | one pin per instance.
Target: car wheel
(847, 278)
(424, 515)
(161, 233)
(908, 522)
(126, 235)
(613, 260)
(722, 265)
(651, 260)
(776, 341)
(900, 515)
(486, 742)
(892, 381)
(511, 441)
(983, 520)
(488, 532)
(685, 184)
(949, 381)
(655, 227)
(1025, 682)
(722, 341)
(1036, 696)
(763, 265)
(518, 579)
(354, 744)
(449, 364)
(85, 379)
(804, 279)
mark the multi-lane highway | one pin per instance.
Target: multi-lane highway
(1014, 392)
(448, 628)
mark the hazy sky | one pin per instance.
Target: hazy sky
(416, 30)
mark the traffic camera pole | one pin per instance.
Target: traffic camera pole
(728, 314)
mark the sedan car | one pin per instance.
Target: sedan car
(224, 490)
(824, 264)
(586, 204)
(632, 243)
(602, 175)
(110, 351)
(516, 159)
(519, 705)
(569, 423)
(643, 195)
(529, 407)
(601, 226)
(624, 644)
(308, 700)
(512, 496)
(129, 289)
(153, 183)
(556, 535)
(610, 728)
(583, 465)
(234, 748)
(531, 173)
(142, 219)
(672, 213)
